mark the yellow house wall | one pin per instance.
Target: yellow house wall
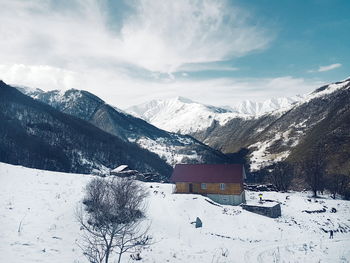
(212, 188)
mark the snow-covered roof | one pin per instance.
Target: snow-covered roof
(208, 173)
(120, 168)
(262, 204)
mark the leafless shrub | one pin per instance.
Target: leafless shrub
(111, 219)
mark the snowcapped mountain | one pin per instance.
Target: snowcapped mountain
(37, 135)
(171, 147)
(181, 114)
(320, 119)
(272, 131)
(186, 116)
(259, 108)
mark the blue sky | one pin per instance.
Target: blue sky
(308, 34)
(212, 51)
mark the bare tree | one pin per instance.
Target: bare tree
(111, 218)
(282, 176)
(314, 169)
(346, 187)
(336, 183)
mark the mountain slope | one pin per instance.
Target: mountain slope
(272, 137)
(173, 148)
(180, 114)
(185, 116)
(36, 135)
(260, 108)
(294, 127)
(330, 136)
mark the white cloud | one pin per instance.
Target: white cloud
(326, 68)
(123, 91)
(160, 35)
(329, 67)
(61, 48)
(42, 77)
(174, 33)
(206, 67)
(230, 91)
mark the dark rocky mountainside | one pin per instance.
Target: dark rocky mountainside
(172, 147)
(236, 134)
(322, 117)
(37, 135)
(330, 136)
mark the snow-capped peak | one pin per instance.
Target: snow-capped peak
(28, 90)
(184, 100)
(254, 108)
(183, 115)
(327, 89)
(180, 114)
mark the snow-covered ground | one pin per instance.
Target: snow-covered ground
(261, 156)
(168, 152)
(37, 224)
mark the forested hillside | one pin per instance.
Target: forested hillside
(36, 135)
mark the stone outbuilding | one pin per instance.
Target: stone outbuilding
(270, 209)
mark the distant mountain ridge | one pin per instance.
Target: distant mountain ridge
(186, 116)
(271, 130)
(254, 108)
(284, 134)
(173, 148)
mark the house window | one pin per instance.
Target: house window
(222, 186)
(203, 186)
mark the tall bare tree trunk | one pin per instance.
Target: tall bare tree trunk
(120, 257)
(107, 256)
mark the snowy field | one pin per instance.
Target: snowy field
(37, 224)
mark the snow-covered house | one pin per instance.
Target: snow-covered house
(120, 169)
(123, 171)
(223, 183)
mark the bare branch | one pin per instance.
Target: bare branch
(110, 219)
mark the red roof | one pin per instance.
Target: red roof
(208, 173)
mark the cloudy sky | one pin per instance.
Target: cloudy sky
(212, 51)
